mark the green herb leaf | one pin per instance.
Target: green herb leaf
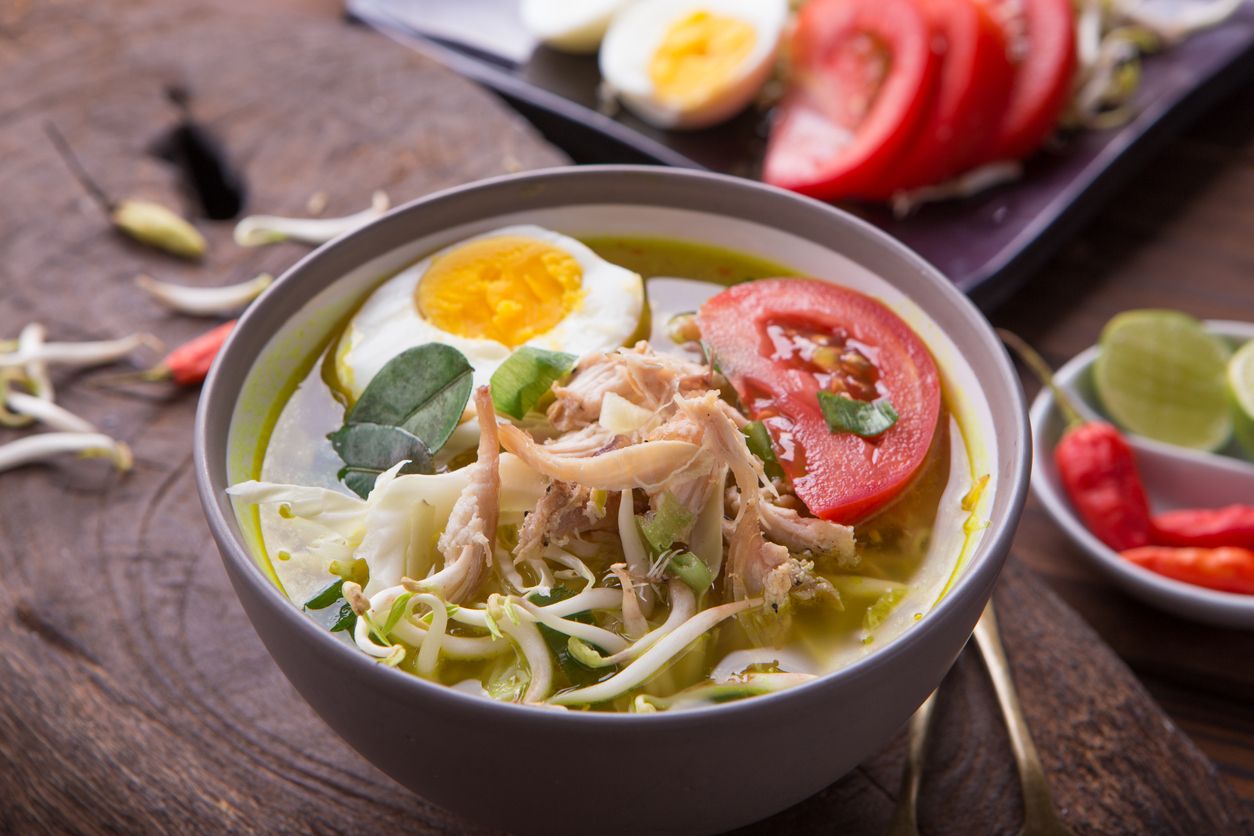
(523, 379)
(422, 390)
(661, 528)
(347, 620)
(692, 571)
(371, 449)
(758, 440)
(864, 418)
(397, 612)
(326, 597)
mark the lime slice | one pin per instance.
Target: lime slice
(1160, 374)
(1241, 384)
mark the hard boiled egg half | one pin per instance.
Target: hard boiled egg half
(490, 294)
(691, 63)
(569, 25)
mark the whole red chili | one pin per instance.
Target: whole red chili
(1097, 468)
(1211, 527)
(1229, 568)
(188, 364)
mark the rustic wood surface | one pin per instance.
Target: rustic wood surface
(133, 693)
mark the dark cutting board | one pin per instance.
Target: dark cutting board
(134, 696)
(988, 244)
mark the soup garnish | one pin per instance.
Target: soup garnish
(641, 528)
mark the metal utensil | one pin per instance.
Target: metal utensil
(905, 819)
(1040, 817)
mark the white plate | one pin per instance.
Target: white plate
(1173, 477)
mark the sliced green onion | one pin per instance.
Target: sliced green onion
(661, 528)
(525, 377)
(862, 418)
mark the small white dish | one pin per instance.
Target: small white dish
(1173, 477)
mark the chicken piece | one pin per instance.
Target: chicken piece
(644, 465)
(469, 539)
(799, 534)
(754, 565)
(564, 512)
(637, 374)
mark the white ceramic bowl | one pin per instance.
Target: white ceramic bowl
(528, 769)
(1174, 478)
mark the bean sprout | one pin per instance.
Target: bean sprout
(205, 301)
(256, 230)
(652, 660)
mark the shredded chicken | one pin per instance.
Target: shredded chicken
(810, 535)
(469, 538)
(638, 466)
(755, 566)
(640, 375)
(564, 512)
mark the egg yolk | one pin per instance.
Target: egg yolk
(507, 289)
(698, 56)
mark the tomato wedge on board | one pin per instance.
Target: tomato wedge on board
(779, 341)
(1042, 36)
(864, 74)
(971, 96)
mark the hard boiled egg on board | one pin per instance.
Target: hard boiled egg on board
(691, 63)
(490, 294)
(569, 25)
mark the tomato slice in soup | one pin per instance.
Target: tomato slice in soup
(781, 341)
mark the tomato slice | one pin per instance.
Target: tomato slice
(863, 76)
(780, 341)
(1042, 36)
(971, 96)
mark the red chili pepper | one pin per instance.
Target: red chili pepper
(188, 364)
(1210, 527)
(1099, 473)
(1229, 569)
(1097, 467)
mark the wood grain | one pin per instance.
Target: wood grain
(1179, 237)
(133, 694)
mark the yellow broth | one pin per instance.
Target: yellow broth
(908, 551)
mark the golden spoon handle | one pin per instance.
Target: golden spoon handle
(905, 819)
(1039, 813)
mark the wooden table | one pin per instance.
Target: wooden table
(133, 694)
(1181, 237)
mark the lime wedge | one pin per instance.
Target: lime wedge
(1161, 374)
(1241, 384)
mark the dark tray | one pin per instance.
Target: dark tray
(987, 244)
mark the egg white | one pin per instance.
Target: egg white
(389, 323)
(569, 25)
(636, 33)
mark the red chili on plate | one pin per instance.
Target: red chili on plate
(864, 72)
(782, 341)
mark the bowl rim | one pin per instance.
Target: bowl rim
(984, 565)
(1177, 597)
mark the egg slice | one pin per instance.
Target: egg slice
(490, 294)
(569, 25)
(691, 63)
